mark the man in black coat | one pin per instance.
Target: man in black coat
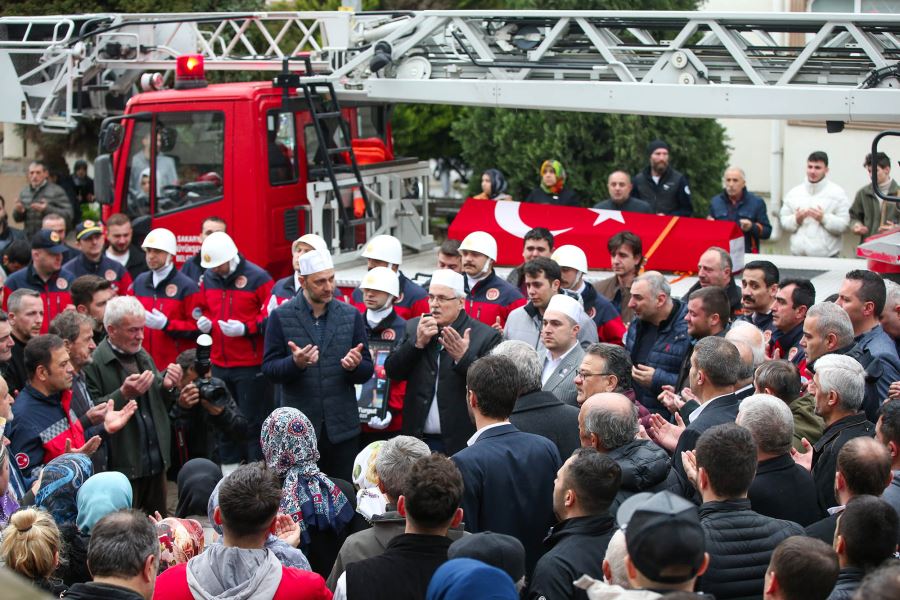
(508, 474)
(838, 386)
(584, 489)
(317, 349)
(782, 489)
(739, 540)
(866, 538)
(863, 468)
(537, 411)
(666, 189)
(433, 358)
(430, 504)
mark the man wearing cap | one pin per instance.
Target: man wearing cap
(436, 351)
(380, 288)
(169, 297)
(573, 266)
(584, 489)
(288, 287)
(44, 275)
(740, 541)
(119, 235)
(508, 473)
(664, 544)
(666, 189)
(489, 298)
(316, 348)
(542, 282)
(57, 223)
(229, 307)
(387, 251)
(562, 353)
(92, 261)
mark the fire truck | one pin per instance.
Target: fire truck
(309, 148)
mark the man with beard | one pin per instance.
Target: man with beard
(288, 287)
(92, 260)
(759, 284)
(626, 255)
(792, 300)
(666, 189)
(26, 317)
(120, 234)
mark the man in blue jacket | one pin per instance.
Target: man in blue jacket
(748, 210)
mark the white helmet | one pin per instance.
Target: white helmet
(161, 239)
(386, 248)
(570, 256)
(311, 239)
(217, 249)
(480, 241)
(382, 279)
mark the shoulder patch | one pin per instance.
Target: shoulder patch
(62, 283)
(492, 294)
(109, 275)
(197, 313)
(241, 282)
(171, 290)
(22, 460)
(388, 334)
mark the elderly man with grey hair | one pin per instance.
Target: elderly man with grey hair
(395, 458)
(838, 386)
(826, 330)
(782, 489)
(537, 411)
(608, 422)
(657, 338)
(122, 371)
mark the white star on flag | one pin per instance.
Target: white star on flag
(607, 215)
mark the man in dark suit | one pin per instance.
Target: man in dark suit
(538, 411)
(433, 358)
(508, 474)
(715, 366)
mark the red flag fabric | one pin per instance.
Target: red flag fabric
(671, 243)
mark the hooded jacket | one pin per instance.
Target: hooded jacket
(227, 573)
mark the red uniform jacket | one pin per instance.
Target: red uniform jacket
(175, 296)
(412, 303)
(54, 292)
(492, 297)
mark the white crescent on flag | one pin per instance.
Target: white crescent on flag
(506, 214)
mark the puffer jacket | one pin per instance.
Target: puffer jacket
(666, 356)
(740, 543)
(645, 467)
(811, 238)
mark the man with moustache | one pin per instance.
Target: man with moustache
(759, 285)
(792, 300)
(489, 298)
(626, 255)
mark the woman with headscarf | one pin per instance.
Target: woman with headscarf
(196, 481)
(552, 189)
(493, 186)
(464, 578)
(8, 503)
(31, 544)
(180, 540)
(323, 508)
(60, 481)
(287, 553)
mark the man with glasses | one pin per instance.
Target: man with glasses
(433, 358)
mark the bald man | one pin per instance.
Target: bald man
(748, 210)
(608, 422)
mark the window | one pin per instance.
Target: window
(189, 163)
(282, 142)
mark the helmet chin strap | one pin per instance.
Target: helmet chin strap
(488, 264)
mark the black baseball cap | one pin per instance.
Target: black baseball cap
(48, 240)
(663, 536)
(88, 228)
(496, 549)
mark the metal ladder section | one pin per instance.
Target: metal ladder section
(747, 65)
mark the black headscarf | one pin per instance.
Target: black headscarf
(196, 481)
(498, 182)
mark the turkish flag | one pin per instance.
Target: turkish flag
(670, 243)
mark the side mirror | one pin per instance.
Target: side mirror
(111, 137)
(104, 191)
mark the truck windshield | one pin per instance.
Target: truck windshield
(189, 163)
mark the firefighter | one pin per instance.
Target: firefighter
(44, 275)
(573, 264)
(288, 287)
(489, 298)
(387, 251)
(169, 296)
(92, 261)
(233, 292)
(380, 288)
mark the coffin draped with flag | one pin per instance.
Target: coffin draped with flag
(671, 243)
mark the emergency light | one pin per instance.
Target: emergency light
(189, 72)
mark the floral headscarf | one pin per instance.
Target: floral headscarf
(180, 540)
(60, 482)
(560, 176)
(369, 499)
(309, 497)
(8, 503)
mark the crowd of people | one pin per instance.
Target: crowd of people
(538, 436)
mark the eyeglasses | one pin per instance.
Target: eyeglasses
(440, 299)
(584, 374)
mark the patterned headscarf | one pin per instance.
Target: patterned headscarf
(309, 497)
(498, 182)
(8, 503)
(60, 482)
(560, 176)
(180, 540)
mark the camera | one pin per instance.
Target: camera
(212, 390)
